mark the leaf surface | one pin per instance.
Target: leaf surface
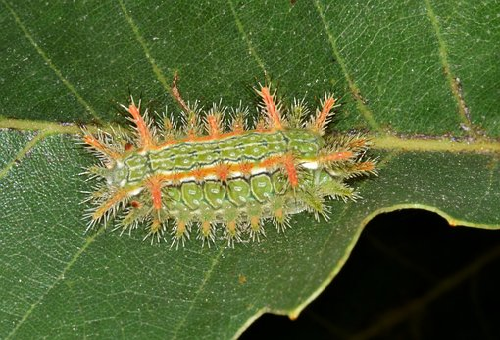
(420, 78)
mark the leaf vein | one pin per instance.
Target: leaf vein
(49, 62)
(355, 91)
(453, 81)
(22, 153)
(59, 278)
(251, 48)
(140, 39)
(206, 278)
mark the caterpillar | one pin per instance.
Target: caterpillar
(208, 177)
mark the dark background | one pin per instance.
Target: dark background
(410, 276)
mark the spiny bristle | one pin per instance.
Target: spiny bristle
(120, 140)
(356, 143)
(271, 109)
(233, 231)
(256, 232)
(155, 231)
(180, 233)
(142, 127)
(239, 119)
(214, 120)
(313, 199)
(169, 131)
(338, 190)
(298, 114)
(206, 232)
(323, 115)
(192, 123)
(102, 146)
(281, 220)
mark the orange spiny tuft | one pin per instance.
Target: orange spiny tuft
(321, 119)
(238, 126)
(245, 168)
(358, 143)
(289, 164)
(205, 228)
(156, 225)
(142, 128)
(222, 171)
(214, 126)
(366, 166)
(231, 227)
(119, 196)
(261, 126)
(154, 184)
(255, 222)
(176, 178)
(237, 130)
(337, 156)
(96, 144)
(199, 174)
(180, 228)
(271, 162)
(271, 109)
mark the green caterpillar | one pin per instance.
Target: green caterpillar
(205, 176)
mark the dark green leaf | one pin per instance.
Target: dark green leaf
(420, 77)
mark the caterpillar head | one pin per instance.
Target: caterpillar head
(115, 173)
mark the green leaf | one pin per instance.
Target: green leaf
(420, 77)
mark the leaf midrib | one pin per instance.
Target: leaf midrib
(384, 141)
